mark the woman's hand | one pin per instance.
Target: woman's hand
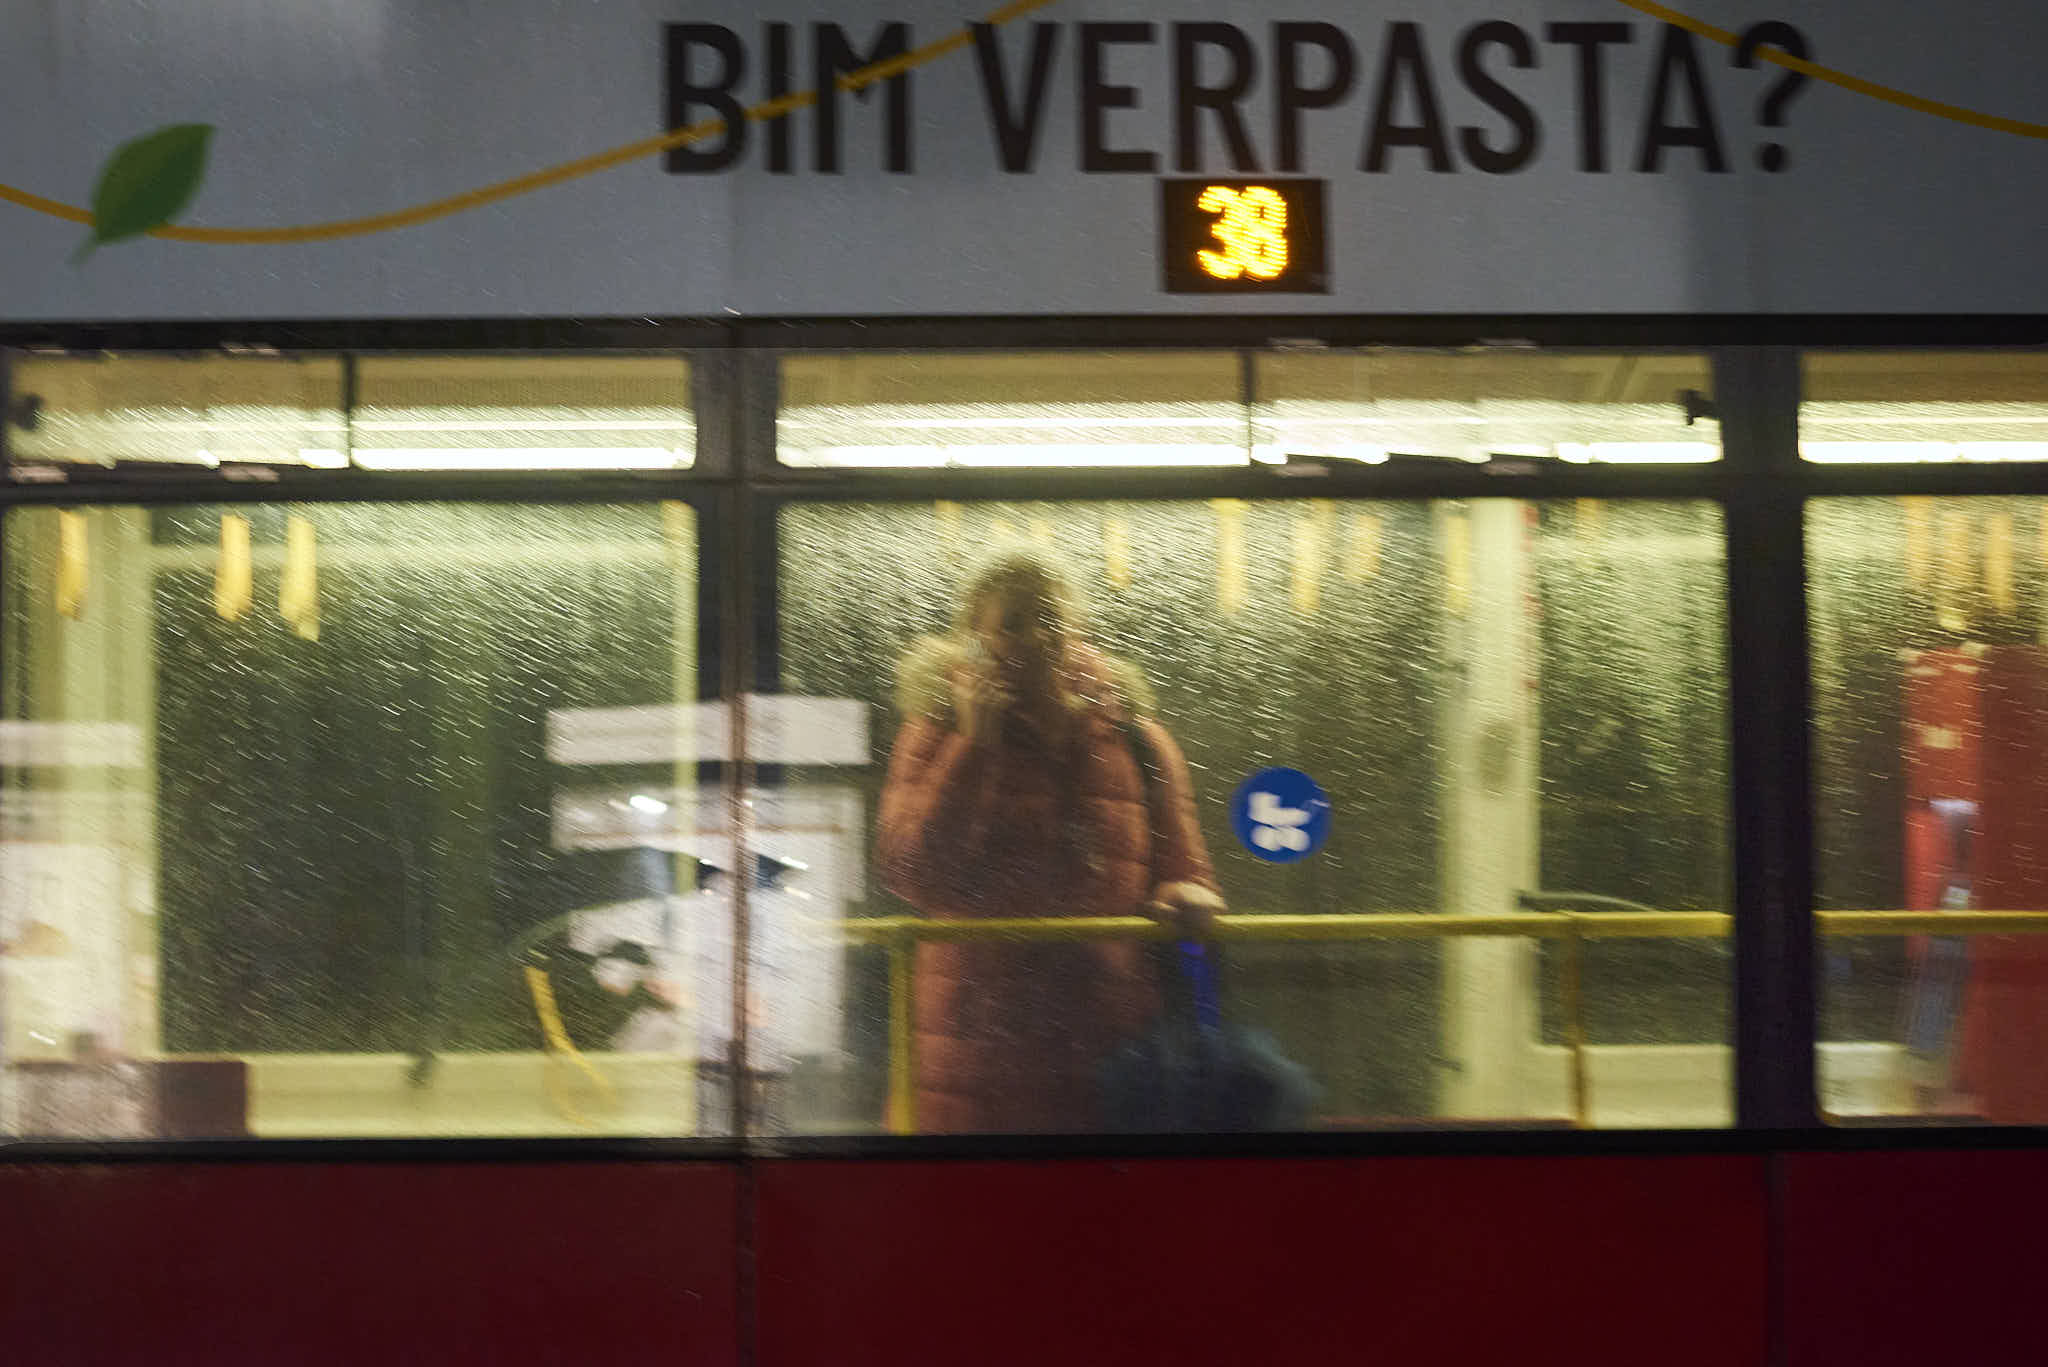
(1189, 908)
(980, 703)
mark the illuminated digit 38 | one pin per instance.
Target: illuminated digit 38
(1250, 232)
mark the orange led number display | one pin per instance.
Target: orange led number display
(1249, 233)
(1221, 236)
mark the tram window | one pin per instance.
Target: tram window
(1502, 701)
(1019, 410)
(1919, 407)
(1503, 405)
(1931, 733)
(177, 410)
(356, 820)
(575, 412)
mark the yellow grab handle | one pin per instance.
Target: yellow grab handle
(560, 1046)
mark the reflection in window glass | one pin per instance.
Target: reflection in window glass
(1931, 728)
(354, 820)
(579, 412)
(184, 410)
(1018, 410)
(1920, 407)
(1499, 699)
(1376, 406)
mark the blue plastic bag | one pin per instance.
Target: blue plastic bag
(1195, 1073)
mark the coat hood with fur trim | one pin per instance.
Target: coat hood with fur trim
(926, 671)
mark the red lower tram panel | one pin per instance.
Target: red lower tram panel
(1587, 1261)
(1904, 1259)
(367, 1264)
(1878, 1259)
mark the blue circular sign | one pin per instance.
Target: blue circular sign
(1280, 815)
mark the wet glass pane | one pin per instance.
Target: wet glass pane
(1931, 728)
(1010, 409)
(184, 410)
(1014, 740)
(1380, 406)
(1924, 406)
(378, 820)
(581, 412)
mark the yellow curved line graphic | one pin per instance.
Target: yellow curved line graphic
(882, 71)
(1954, 112)
(552, 175)
(55, 208)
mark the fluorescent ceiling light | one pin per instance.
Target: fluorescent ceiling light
(2003, 450)
(1920, 452)
(522, 458)
(1057, 422)
(523, 424)
(1640, 452)
(149, 421)
(1024, 456)
(1878, 452)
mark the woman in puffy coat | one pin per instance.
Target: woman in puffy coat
(1015, 789)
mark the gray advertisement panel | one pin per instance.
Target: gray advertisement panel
(214, 159)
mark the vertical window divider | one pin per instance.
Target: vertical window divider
(750, 660)
(755, 385)
(1248, 399)
(348, 407)
(715, 411)
(1770, 708)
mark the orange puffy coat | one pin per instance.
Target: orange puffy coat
(1010, 1036)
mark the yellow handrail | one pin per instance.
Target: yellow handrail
(1932, 922)
(1553, 925)
(1408, 925)
(902, 934)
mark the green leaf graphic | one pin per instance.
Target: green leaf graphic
(147, 183)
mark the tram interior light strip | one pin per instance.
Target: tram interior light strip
(521, 458)
(1920, 452)
(1639, 452)
(1023, 436)
(1024, 456)
(1065, 455)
